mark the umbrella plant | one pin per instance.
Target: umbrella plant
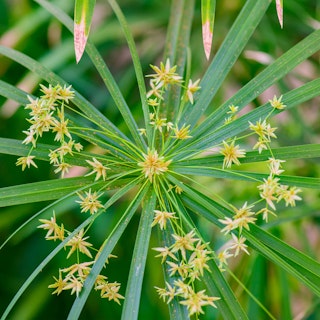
(161, 160)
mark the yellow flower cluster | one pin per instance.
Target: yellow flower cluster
(164, 76)
(186, 260)
(271, 191)
(73, 277)
(47, 114)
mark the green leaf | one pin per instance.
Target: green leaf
(235, 41)
(177, 310)
(176, 50)
(11, 92)
(284, 153)
(104, 72)
(257, 285)
(133, 291)
(291, 260)
(83, 12)
(39, 269)
(52, 189)
(228, 305)
(42, 191)
(136, 63)
(106, 250)
(85, 106)
(304, 182)
(262, 81)
(208, 8)
(216, 136)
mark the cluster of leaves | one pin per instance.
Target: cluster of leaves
(158, 167)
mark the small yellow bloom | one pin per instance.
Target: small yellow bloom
(165, 75)
(30, 137)
(143, 132)
(98, 168)
(74, 284)
(290, 195)
(26, 162)
(222, 257)
(90, 202)
(60, 284)
(182, 133)
(153, 164)
(243, 217)
(161, 218)
(231, 154)
(164, 253)
(169, 293)
(81, 269)
(49, 225)
(110, 290)
(155, 91)
(269, 190)
(63, 168)
(65, 93)
(50, 92)
(233, 109)
(78, 243)
(275, 165)
(183, 243)
(196, 300)
(61, 129)
(192, 88)
(153, 102)
(158, 123)
(238, 244)
(265, 213)
(277, 103)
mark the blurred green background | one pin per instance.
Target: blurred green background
(28, 28)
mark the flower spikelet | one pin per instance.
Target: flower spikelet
(59, 285)
(276, 103)
(98, 168)
(161, 218)
(231, 154)
(182, 133)
(183, 243)
(165, 75)
(90, 202)
(78, 243)
(153, 164)
(26, 162)
(192, 88)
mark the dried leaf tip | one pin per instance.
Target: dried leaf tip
(83, 13)
(207, 38)
(279, 6)
(80, 39)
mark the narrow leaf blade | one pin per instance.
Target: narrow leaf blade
(107, 248)
(133, 292)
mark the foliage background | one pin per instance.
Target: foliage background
(28, 28)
